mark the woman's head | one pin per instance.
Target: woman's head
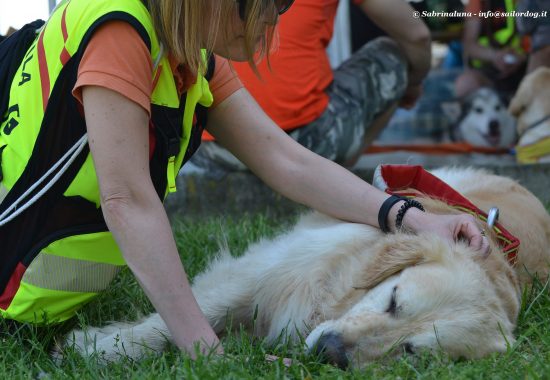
(236, 29)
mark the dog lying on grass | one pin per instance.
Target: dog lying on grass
(357, 294)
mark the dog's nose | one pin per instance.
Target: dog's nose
(331, 349)
(494, 127)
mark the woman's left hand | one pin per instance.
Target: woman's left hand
(449, 227)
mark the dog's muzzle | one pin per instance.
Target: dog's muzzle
(330, 348)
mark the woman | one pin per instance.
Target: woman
(70, 218)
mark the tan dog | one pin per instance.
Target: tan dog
(531, 106)
(358, 294)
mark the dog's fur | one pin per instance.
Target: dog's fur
(481, 119)
(360, 294)
(531, 104)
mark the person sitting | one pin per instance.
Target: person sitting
(492, 49)
(333, 113)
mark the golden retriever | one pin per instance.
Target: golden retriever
(531, 106)
(358, 294)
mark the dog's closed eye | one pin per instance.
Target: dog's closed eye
(392, 307)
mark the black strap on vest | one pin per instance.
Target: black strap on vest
(168, 124)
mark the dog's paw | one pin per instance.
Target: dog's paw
(81, 341)
(109, 343)
(113, 342)
(84, 342)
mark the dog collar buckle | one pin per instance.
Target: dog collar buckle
(492, 216)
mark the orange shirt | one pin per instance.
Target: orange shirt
(117, 58)
(293, 92)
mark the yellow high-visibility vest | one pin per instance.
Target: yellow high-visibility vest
(58, 254)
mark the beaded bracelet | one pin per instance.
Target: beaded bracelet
(384, 211)
(401, 213)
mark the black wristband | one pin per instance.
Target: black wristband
(384, 211)
(401, 213)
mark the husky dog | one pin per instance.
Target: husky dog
(481, 119)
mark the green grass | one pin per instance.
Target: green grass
(24, 349)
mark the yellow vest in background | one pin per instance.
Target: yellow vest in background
(506, 36)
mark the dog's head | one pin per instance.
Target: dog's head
(531, 106)
(481, 119)
(422, 293)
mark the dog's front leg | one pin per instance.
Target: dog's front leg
(121, 339)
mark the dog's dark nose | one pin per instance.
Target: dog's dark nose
(494, 128)
(331, 349)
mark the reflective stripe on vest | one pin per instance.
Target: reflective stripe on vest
(69, 275)
(3, 192)
(71, 270)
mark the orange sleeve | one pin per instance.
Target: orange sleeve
(117, 58)
(224, 82)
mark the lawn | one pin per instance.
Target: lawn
(25, 349)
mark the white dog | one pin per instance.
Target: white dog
(531, 105)
(358, 294)
(481, 119)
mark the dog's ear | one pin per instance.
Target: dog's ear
(397, 253)
(452, 110)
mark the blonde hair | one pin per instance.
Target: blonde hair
(179, 25)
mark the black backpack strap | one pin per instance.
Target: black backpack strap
(12, 52)
(211, 67)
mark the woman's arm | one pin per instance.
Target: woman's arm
(241, 126)
(395, 17)
(118, 138)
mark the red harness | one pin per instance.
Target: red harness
(413, 180)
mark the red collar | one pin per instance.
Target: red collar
(413, 180)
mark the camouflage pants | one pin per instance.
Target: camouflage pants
(364, 86)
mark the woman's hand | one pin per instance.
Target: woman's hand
(449, 227)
